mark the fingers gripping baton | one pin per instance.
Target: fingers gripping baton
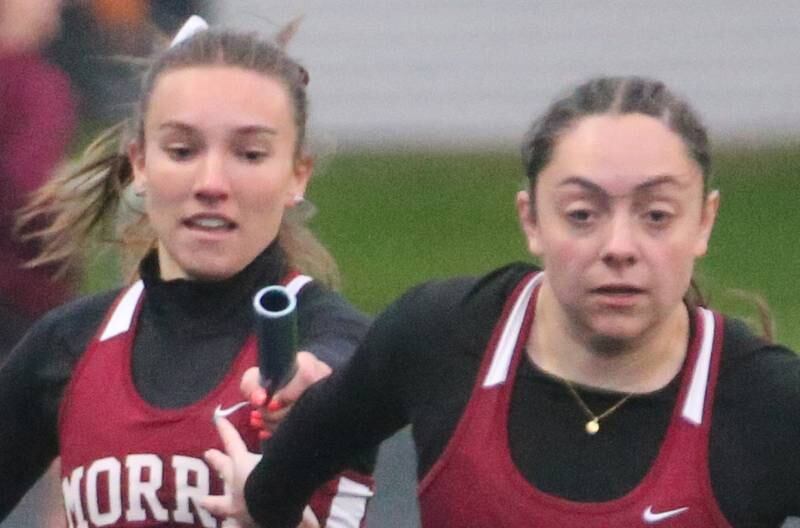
(276, 330)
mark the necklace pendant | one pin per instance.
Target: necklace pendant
(592, 426)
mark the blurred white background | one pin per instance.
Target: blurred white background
(473, 73)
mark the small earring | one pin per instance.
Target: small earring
(298, 199)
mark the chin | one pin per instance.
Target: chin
(209, 277)
(210, 272)
(612, 337)
(611, 345)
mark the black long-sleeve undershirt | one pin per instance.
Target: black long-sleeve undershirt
(419, 363)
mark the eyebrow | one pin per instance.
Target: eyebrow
(656, 181)
(256, 130)
(245, 130)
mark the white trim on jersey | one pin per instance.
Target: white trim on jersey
(297, 283)
(121, 319)
(349, 505)
(696, 395)
(504, 351)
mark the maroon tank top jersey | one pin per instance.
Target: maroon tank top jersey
(125, 462)
(476, 484)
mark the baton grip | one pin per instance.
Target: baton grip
(275, 309)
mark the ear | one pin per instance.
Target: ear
(301, 175)
(526, 213)
(136, 157)
(708, 217)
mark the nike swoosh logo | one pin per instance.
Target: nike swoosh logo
(651, 517)
(219, 412)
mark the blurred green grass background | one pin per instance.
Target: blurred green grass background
(398, 218)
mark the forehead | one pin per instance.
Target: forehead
(619, 153)
(219, 96)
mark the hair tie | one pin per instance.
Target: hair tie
(193, 25)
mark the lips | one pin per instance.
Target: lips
(209, 222)
(618, 290)
(618, 296)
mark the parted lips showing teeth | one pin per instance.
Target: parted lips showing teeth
(209, 222)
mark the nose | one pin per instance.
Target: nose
(620, 249)
(212, 184)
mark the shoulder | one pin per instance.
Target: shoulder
(72, 324)
(78, 310)
(328, 326)
(49, 351)
(461, 308)
(757, 378)
(746, 355)
(42, 73)
(35, 77)
(316, 298)
(468, 293)
(314, 290)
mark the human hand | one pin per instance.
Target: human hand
(309, 519)
(234, 466)
(309, 371)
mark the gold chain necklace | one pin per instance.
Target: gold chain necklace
(593, 425)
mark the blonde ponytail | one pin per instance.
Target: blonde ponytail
(73, 207)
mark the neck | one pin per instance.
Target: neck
(15, 41)
(642, 364)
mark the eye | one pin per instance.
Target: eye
(658, 217)
(179, 152)
(253, 155)
(580, 216)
